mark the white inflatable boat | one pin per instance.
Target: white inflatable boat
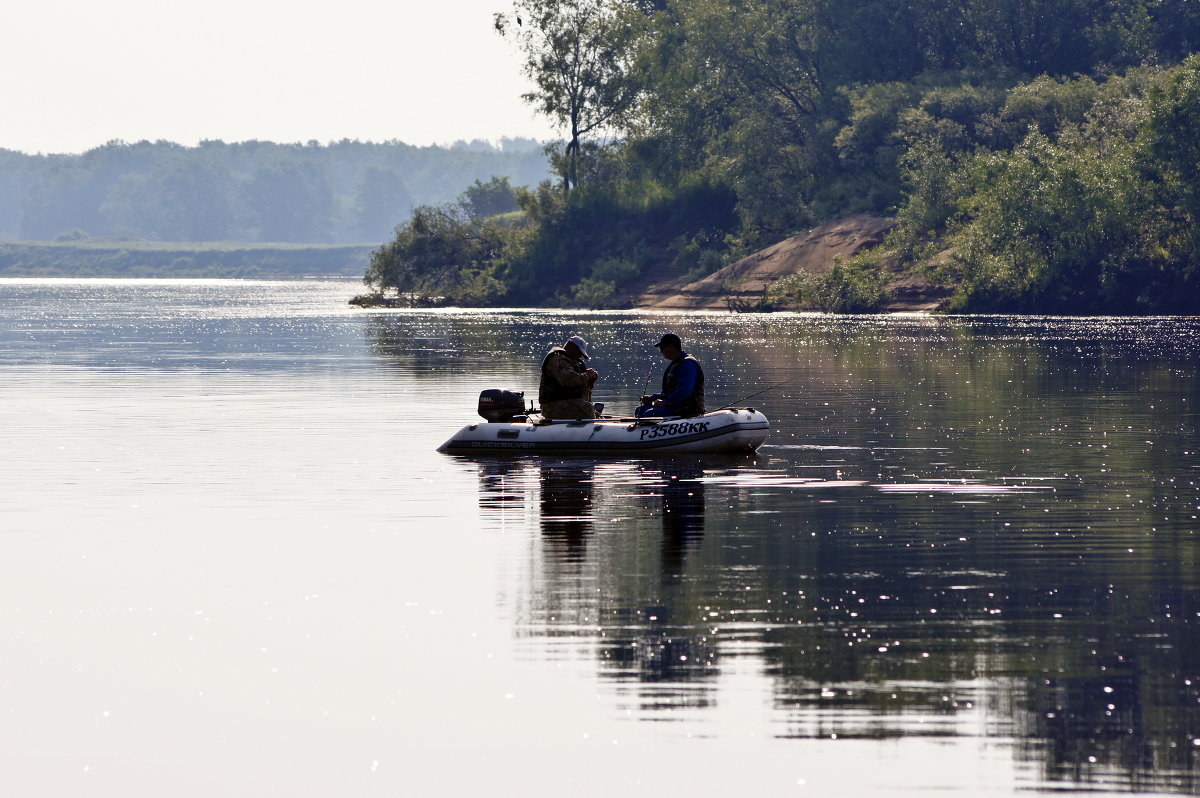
(729, 430)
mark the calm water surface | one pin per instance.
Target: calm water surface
(232, 563)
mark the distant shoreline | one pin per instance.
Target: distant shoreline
(164, 259)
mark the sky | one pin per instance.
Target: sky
(75, 74)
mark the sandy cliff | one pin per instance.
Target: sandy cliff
(741, 285)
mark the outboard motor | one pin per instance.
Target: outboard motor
(501, 406)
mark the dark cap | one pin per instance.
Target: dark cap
(669, 338)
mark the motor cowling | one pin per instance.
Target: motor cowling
(499, 405)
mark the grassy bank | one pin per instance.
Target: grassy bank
(112, 258)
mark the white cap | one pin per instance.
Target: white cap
(581, 345)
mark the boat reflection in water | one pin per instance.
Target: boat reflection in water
(682, 513)
(566, 494)
(667, 661)
(648, 518)
(560, 495)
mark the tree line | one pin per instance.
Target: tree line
(341, 192)
(1036, 154)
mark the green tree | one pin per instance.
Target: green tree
(492, 198)
(443, 254)
(764, 53)
(1172, 133)
(868, 41)
(1171, 145)
(1176, 27)
(578, 53)
(1052, 227)
(738, 93)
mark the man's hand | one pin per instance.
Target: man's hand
(592, 376)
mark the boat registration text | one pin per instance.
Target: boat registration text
(667, 430)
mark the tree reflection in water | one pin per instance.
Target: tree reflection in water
(870, 622)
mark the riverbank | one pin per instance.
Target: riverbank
(749, 284)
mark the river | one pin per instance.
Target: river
(234, 564)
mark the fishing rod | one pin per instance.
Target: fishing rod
(756, 393)
(646, 384)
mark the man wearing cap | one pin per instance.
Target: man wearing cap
(682, 384)
(566, 387)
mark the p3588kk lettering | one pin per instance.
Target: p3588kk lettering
(678, 428)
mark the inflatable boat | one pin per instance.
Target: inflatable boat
(728, 430)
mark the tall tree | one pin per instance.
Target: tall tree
(737, 87)
(579, 55)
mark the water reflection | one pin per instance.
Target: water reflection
(944, 607)
(663, 665)
(958, 529)
(566, 509)
(1092, 724)
(967, 539)
(501, 488)
(656, 648)
(682, 512)
(632, 509)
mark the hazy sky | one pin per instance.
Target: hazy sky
(77, 73)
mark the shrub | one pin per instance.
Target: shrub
(854, 286)
(591, 293)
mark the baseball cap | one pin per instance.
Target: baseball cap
(581, 344)
(669, 338)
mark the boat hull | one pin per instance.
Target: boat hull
(740, 430)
